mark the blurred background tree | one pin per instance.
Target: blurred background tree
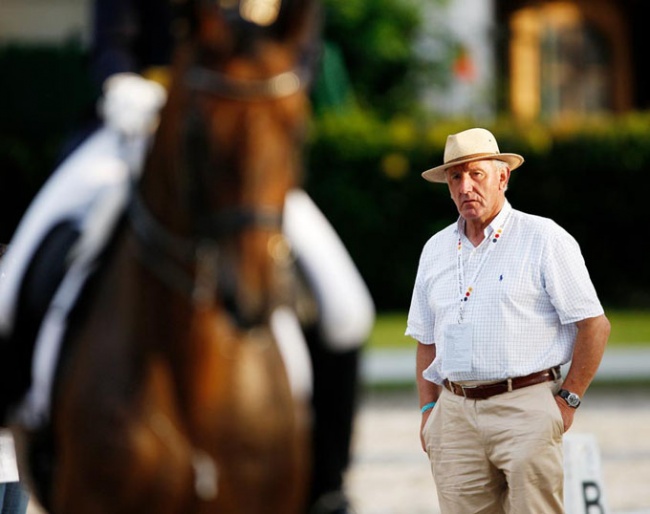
(378, 56)
(378, 45)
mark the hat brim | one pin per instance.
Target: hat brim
(437, 174)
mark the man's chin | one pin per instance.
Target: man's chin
(470, 212)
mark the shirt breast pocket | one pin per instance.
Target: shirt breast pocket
(516, 287)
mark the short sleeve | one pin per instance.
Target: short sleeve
(566, 279)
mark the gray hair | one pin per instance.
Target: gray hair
(500, 165)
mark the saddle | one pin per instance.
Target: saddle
(42, 278)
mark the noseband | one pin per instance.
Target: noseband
(279, 86)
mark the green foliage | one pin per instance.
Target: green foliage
(44, 95)
(48, 90)
(591, 176)
(377, 40)
(388, 332)
(365, 157)
(629, 327)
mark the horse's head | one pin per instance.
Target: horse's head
(250, 73)
(231, 138)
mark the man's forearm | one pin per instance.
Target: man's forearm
(427, 391)
(590, 343)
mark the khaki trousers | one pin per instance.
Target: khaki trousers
(499, 455)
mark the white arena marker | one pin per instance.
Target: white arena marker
(584, 492)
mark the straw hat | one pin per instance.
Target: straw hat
(475, 144)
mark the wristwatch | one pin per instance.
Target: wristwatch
(572, 399)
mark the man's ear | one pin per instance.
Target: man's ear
(504, 178)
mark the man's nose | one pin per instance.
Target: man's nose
(466, 184)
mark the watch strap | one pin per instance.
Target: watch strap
(572, 399)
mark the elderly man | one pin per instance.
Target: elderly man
(501, 300)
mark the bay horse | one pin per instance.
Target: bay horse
(174, 397)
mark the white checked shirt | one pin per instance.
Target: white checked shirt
(530, 291)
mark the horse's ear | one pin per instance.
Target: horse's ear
(183, 18)
(299, 25)
(300, 20)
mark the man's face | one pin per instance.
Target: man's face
(477, 189)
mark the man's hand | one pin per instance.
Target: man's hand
(566, 411)
(427, 391)
(425, 417)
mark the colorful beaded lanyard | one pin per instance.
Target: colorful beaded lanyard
(466, 292)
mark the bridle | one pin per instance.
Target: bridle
(189, 264)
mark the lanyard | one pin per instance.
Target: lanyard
(466, 292)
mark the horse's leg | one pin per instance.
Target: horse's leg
(124, 456)
(244, 408)
(115, 406)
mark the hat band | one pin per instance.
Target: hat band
(472, 156)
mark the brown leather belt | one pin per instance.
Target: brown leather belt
(481, 392)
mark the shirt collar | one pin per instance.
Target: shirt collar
(496, 223)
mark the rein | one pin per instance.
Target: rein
(169, 255)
